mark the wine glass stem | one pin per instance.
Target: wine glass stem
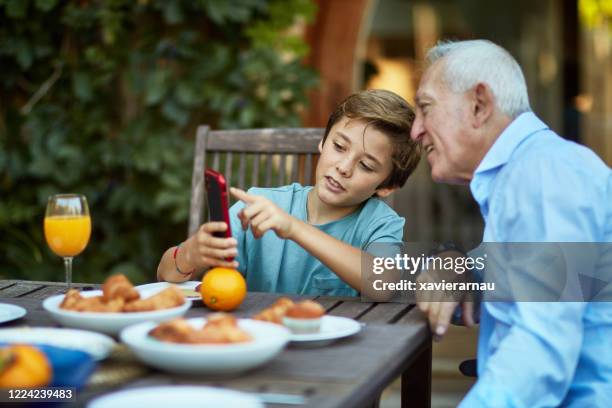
(68, 265)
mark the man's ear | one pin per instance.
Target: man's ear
(484, 104)
(321, 146)
(385, 192)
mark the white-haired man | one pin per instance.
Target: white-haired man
(476, 127)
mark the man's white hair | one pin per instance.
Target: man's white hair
(469, 62)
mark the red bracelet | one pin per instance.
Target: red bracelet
(176, 265)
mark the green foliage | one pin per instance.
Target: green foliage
(103, 98)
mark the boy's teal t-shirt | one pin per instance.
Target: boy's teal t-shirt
(272, 264)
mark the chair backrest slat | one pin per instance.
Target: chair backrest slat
(294, 168)
(256, 162)
(282, 170)
(308, 169)
(241, 170)
(268, 181)
(216, 159)
(228, 167)
(260, 152)
(266, 140)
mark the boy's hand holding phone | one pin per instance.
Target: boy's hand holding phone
(204, 250)
(263, 215)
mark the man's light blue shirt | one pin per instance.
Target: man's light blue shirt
(272, 264)
(534, 186)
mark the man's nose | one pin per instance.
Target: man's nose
(418, 130)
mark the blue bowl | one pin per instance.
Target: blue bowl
(71, 368)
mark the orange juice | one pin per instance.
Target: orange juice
(67, 235)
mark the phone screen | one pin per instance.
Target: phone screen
(218, 207)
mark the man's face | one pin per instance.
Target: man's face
(443, 127)
(349, 172)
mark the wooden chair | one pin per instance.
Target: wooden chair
(254, 157)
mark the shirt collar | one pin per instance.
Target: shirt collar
(499, 154)
(519, 129)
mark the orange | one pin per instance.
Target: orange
(223, 289)
(23, 366)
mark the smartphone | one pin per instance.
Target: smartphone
(218, 200)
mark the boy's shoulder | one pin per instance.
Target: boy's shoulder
(378, 222)
(375, 207)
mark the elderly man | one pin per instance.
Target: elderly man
(476, 127)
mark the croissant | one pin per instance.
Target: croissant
(276, 311)
(220, 328)
(118, 286)
(166, 299)
(119, 295)
(74, 301)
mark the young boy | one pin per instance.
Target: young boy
(321, 230)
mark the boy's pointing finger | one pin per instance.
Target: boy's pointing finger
(241, 195)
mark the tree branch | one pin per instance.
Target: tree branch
(42, 91)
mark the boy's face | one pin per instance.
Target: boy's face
(349, 172)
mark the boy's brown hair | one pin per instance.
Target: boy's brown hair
(390, 114)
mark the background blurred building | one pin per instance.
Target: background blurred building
(360, 44)
(564, 48)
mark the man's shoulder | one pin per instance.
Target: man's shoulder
(550, 180)
(549, 153)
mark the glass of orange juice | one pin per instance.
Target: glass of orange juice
(67, 227)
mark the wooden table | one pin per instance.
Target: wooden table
(351, 372)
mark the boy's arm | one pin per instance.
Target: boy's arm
(341, 258)
(198, 253)
(166, 270)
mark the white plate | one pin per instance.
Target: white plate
(109, 323)
(10, 312)
(268, 340)
(332, 328)
(176, 396)
(97, 345)
(187, 287)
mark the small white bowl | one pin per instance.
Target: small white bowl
(108, 323)
(268, 341)
(302, 326)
